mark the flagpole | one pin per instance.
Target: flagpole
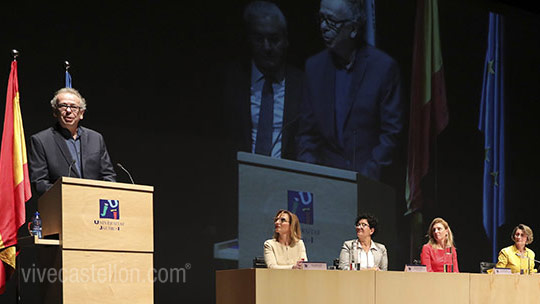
(435, 150)
(18, 288)
(15, 54)
(67, 84)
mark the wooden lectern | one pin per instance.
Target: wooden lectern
(106, 242)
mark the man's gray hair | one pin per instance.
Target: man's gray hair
(264, 9)
(54, 101)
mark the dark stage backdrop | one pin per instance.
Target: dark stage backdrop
(145, 68)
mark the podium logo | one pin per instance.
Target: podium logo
(301, 204)
(109, 209)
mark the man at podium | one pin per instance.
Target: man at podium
(67, 149)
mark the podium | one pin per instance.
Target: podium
(105, 242)
(326, 201)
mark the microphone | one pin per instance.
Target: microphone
(529, 260)
(452, 259)
(524, 256)
(69, 169)
(287, 125)
(125, 170)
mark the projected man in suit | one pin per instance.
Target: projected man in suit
(67, 149)
(263, 93)
(351, 111)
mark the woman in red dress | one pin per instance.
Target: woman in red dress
(439, 253)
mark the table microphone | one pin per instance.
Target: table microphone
(125, 170)
(529, 260)
(524, 256)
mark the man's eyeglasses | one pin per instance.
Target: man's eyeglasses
(332, 24)
(362, 225)
(63, 107)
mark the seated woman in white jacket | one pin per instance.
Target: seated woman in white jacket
(370, 254)
(286, 249)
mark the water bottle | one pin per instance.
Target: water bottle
(35, 225)
(449, 256)
(354, 257)
(351, 254)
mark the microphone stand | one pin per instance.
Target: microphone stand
(452, 259)
(125, 170)
(69, 169)
(528, 261)
(280, 135)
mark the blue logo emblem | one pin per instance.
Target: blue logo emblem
(109, 209)
(301, 204)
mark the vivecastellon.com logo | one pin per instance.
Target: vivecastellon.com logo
(111, 273)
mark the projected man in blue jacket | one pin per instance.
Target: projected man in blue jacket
(351, 110)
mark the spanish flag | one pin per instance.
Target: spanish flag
(429, 112)
(14, 180)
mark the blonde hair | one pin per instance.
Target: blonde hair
(294, 227)
(449, 240)
(527, 230)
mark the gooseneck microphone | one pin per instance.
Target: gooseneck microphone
(70, 166)
(524, 256)
(529, 260)
(280, 135)
(125, 170)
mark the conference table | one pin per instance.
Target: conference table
(261, 286)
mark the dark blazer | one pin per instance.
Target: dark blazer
(237, 105)
(374, 114)
(50, 158)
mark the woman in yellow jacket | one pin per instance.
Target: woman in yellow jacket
(517, 257)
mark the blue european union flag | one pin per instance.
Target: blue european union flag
(492, 125)
(369, 8)
(68, 80)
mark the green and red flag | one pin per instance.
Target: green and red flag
(14, 180)
(429, 113)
